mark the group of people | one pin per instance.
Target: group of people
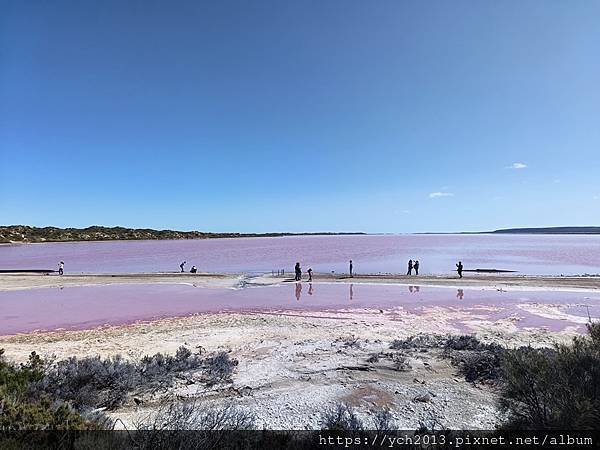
(413, 266)
(194, 269)
(298, 273)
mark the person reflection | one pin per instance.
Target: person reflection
(351, 291)
(460, 294)
(298, 291)
(410, 289)
(310, 289)
(417, 288)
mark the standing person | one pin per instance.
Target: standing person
(410, 267)
(459, 269)
(298, 271)
(61, 267)
(181, 266)
(351, 273)
(309, 274)
(416, 267)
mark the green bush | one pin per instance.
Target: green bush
(20, 410)
(554, 389)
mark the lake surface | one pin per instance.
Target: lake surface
(528, 254)
(74, 308)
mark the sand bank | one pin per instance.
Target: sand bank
(222, 280)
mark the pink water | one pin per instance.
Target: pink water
(89, 307)
(528, 254)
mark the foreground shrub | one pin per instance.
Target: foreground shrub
(93, 382)
(90, 381)
(163, 429)
(19, 410)
(554, 389)
(194, 415)
(341, 417)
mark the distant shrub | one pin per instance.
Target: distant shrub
(418, 341)
(218, 368)
(464, 342)
(374, 357)
(557, 389)
(161, 368)
(400, 362)
(476, 361)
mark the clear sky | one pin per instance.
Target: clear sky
(387, 116)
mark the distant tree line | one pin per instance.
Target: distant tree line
(23, 233)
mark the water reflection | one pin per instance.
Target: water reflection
(351, 291)
(298, 291)
(310, 289)
(460, 294)
(412, 289)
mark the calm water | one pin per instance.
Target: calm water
(541, 255)
(92, 306)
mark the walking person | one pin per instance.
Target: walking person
(410, 267)
(298, 271)
(61, 267)
(416, 267)
(309, 275)
(459, 269)
(182, 265)
(351, 266)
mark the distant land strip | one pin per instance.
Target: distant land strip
(550, 230)
(26, 234)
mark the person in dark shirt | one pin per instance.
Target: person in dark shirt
(182, 265)
(416, 267)
(309, 274)
(298, 271)
(459, 269)
(410, 267)
(351, 266)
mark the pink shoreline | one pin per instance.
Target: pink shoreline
(92, 307)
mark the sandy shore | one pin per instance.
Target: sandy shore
(294, 365)
(221, 280)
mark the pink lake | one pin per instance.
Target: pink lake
(75, 308)
(528, 254)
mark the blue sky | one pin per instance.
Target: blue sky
(388, 116)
